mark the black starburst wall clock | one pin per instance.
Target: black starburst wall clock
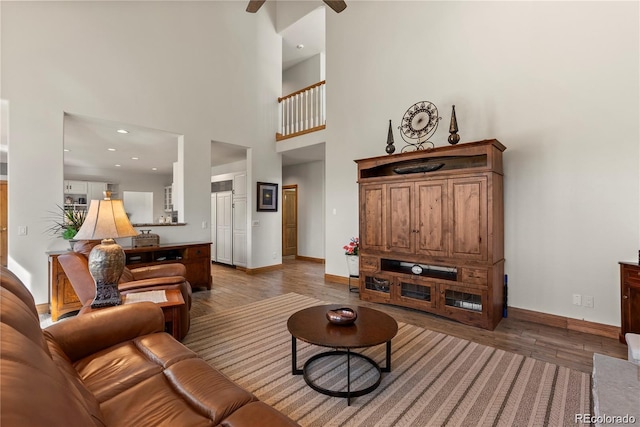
(418, 124)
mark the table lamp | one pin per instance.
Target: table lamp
(106, 220)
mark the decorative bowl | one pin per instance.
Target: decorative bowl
(342, 316)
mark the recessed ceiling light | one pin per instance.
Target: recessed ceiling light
(300, 46)
(154, 169)
(66, 150)
(122, 131)
(117, 166)
(135, 158)
(111, 149)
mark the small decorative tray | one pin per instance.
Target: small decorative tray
(342, 316)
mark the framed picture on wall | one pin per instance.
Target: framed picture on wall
(267, 197)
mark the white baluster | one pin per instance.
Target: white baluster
(312, 109)
(322, 100)
(281, 119)
(288, 116)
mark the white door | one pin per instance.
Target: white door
(214, 204)
(240, 231)
(224, 221)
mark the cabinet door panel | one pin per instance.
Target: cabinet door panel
(633, 309)
(372, 217)
(376, 287)
(400, 227)
(431, 214)
(469, 212)
(464, 304)
(417, 294)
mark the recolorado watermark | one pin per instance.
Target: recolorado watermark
(604, 419)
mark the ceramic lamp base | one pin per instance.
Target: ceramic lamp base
(107, 295)
(106, 263)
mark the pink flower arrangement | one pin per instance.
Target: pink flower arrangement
(352, 248)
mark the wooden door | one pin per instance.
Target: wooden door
(468, 201)
(3, 223)
(432, 218)
(290, 220)
(401, 231)
(372, 217)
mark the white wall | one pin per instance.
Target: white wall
(229, 168)
(303, 74)
(202, 69)
(556, 82)
(310, 180)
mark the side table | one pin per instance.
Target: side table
(170, 309)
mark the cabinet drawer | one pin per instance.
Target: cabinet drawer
(369, 263)
(197, 252)
(477, 276)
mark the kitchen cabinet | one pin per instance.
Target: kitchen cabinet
(75, 187)
(78, 194)
(448, 223)
(95, 190)
(168, 198)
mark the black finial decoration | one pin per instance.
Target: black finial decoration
(390, 147)
(454, 138)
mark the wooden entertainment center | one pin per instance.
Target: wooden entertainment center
(195, 256)
(432, 232)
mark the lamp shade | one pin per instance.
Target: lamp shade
(106, 219)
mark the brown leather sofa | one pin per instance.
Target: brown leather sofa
(112, 367)
(157, 277)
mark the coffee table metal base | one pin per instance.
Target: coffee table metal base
(336, 393)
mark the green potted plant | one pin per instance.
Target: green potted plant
(67, 222)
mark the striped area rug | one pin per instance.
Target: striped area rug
(435, 379)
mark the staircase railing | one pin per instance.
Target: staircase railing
(302, 111)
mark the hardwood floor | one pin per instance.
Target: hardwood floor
(232, 288)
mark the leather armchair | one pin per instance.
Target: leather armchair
(157, 277)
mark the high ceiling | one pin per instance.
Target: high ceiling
(140, 142)
(309, 31)
(96, 144)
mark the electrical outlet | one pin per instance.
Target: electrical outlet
(204, 224)
(577, 299)
(588, 301)
(22, 230)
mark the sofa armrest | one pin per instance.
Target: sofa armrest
(139, 285)
(89, 333)
(160, 270)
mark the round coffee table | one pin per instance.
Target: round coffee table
(372, 327)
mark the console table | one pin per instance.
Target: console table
(196, 257)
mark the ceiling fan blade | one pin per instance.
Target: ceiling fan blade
(337, 5)
(254, 5)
